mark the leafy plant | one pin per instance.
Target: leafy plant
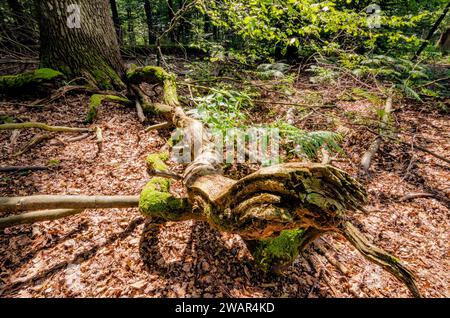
(222, 109)
(300, 143)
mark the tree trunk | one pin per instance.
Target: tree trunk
(86, 49)
(130, 31)
(444, 41)
(432, 30)
(171, 15)
(149, 20)
(116, 20)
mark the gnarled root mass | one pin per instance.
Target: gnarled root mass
(278, 210)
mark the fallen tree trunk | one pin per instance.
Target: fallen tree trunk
(373, 149)
(48, 202)
(36, 216)
(278, 210)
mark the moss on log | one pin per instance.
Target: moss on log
(97, 100)
(11, 84)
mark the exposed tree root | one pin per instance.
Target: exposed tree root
(33, 142)
(412, 196)
(380, 257)
(97, 100)
(163, 125)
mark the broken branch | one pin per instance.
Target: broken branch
(49, 202)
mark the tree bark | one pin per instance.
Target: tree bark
(90, 50)
(116, 20)
(149, 20)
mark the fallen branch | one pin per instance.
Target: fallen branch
(33, 142)
(23, 168)
(368, 155)
(43, 127)
(157, 126)
(78, 138)
(36, 216)
(50, 202)
(416, 196)
(140, 112)
(412, 146)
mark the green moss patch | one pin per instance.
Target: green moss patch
(275, 254)
(97, 100)
(155, 200)
(14, 83)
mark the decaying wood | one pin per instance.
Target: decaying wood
(43, 127)
(368, 155)
(36, 216)
(50, 202)
(308, 198)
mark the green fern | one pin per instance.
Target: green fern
(301, 142)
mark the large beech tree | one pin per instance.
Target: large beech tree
(90, 50)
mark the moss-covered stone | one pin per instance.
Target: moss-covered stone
(97, 99)
(156, 201)
(276, 254)
(14, 83)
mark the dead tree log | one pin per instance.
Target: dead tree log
(278, 210)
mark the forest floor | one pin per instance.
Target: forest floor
(116, 253)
